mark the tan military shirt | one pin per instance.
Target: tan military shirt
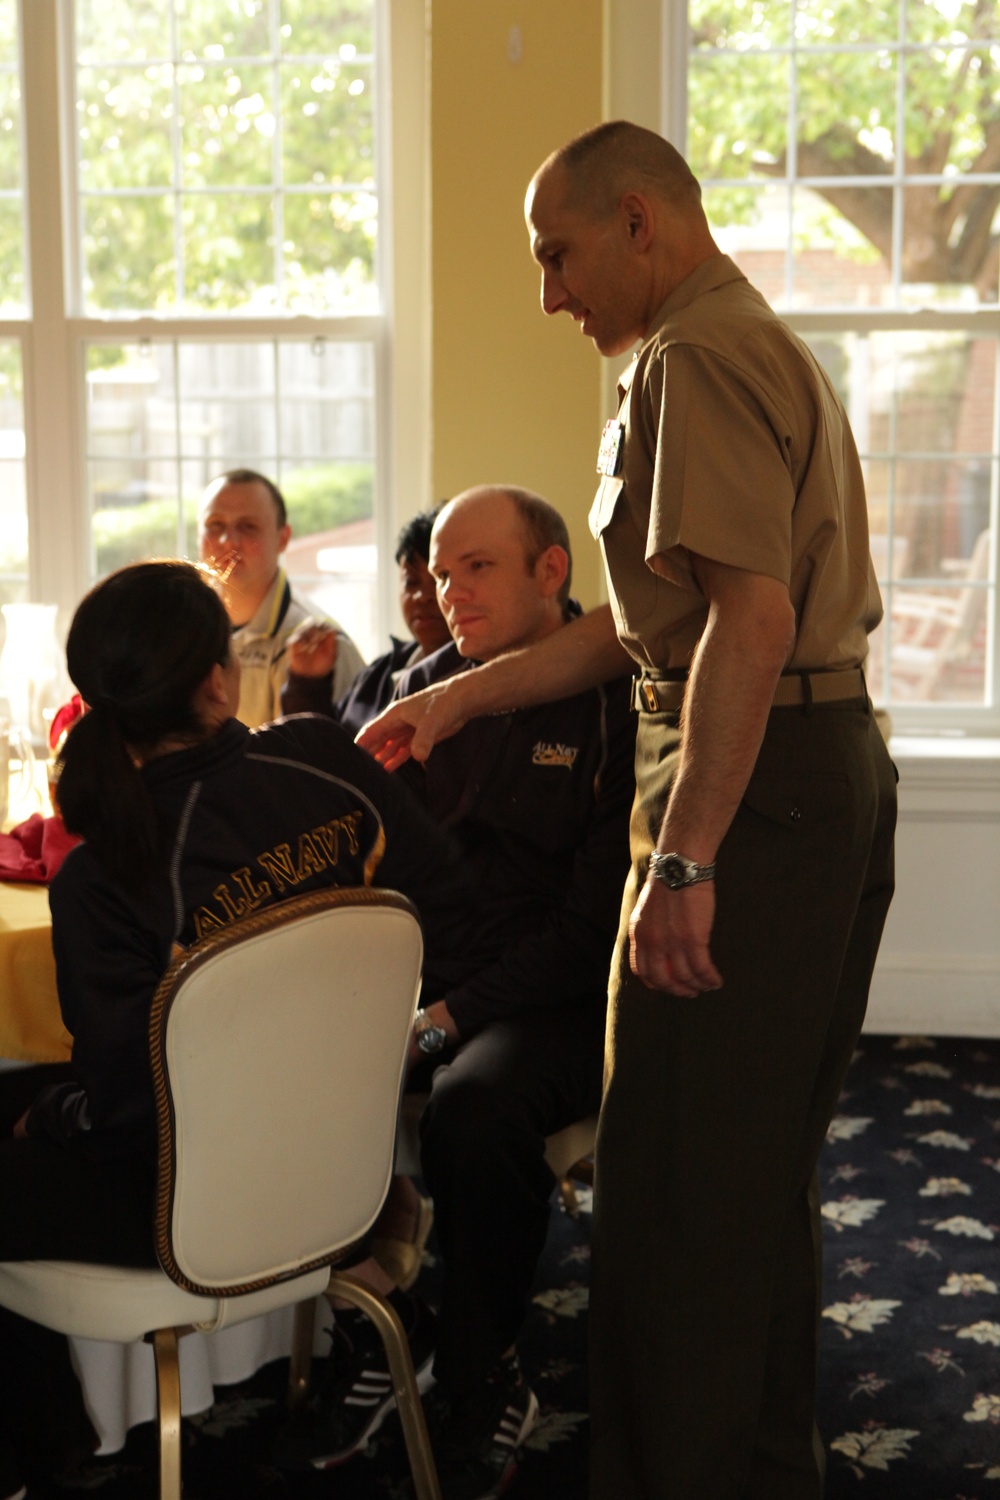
(735, 447)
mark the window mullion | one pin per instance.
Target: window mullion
(57, 537)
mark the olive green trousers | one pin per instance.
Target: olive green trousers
(706, 1252)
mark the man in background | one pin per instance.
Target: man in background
(242, 531)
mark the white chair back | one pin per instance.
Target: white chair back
(278, 1050)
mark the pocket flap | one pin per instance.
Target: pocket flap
(604, 504)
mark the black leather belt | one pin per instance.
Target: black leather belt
(653, 695)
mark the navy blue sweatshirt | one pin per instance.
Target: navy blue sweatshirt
(249, 818)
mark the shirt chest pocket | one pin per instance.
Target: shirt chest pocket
(634, 586)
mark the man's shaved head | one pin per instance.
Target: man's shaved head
(604, 163)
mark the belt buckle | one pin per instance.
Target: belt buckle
(649, 695)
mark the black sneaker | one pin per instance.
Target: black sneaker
(477, 1455)
(357, 1396)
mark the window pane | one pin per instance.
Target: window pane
(261, 103)
(107, 30)
(13, 302)
(164, 419)
(227, 405)
(309, 28)
(228, 244)
(846, 112)
(938, 644)
(950, 270)
(328, 126)
(128, 245)
(737, 114)
(227, 126)
(208, 29)
(850, 89)
(124, 122)
(10, 132)
(923, 407)
(329, 252)
(834, 264)
(818, 22)
(752, 225)
(13, 508)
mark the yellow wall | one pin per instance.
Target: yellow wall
(516, 396)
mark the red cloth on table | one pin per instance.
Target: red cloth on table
(35, 849)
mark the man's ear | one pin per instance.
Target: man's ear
(551, 568)
(284, 537)
(639, 219)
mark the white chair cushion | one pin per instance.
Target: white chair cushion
(120, 1304)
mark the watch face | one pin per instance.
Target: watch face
(674, 871)
(431, 1039)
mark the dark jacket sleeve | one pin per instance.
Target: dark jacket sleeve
(370, 692)
(308, 695)
(108, 964)
(567, 961)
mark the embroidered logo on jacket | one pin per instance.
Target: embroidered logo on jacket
(554, 755)
(317, 850)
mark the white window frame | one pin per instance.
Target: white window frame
(54, 336)
(944, 719)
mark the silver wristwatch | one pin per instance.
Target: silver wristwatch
(677, 872)
(430, 1037)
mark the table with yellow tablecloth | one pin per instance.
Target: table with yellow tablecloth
(31, 1027)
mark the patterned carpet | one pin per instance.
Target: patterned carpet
(910, 1389)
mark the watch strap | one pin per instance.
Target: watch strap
(678, 872)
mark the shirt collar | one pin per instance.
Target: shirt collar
(717, 271)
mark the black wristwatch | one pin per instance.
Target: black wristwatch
(429, 1036)
(677, 872)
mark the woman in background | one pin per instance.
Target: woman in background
(309, 683)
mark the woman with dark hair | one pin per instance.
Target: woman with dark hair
(189, 821)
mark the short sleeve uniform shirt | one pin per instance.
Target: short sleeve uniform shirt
(737, 448)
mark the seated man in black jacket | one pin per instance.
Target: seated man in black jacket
(539, 802)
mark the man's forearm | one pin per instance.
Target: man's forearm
(745, 644)
(727, 702)
(581, 655)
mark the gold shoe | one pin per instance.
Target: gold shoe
(402, 1259)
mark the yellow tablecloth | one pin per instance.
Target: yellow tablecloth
(31, 1027)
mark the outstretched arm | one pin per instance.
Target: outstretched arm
(569, 661)
(747, 640)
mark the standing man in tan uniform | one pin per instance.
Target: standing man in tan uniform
(731, 513)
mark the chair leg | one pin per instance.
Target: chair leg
(404, 1381)
(300, 1363)
(168, 1401)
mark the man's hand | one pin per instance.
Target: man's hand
(312, 649)
(414, 725)
(668, 938)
